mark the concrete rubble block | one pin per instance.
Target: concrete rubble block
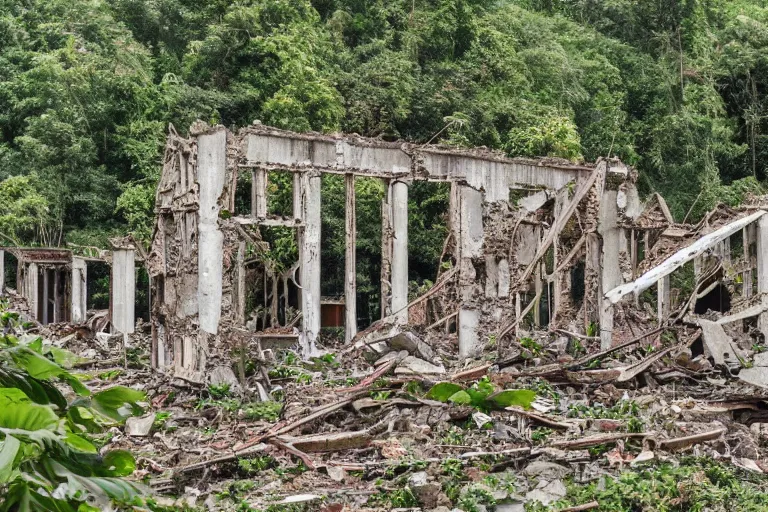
(546, 470)
(224, 375)
(547, 492)
(413, 344)
(415, 366)
(336, 473)
(428, 494)
(139, 427)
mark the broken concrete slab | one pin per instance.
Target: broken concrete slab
(717, 344)
(547, 492)
(139, 427)
(546, 470)
(414, 366)
(406, 340)
(224, 375)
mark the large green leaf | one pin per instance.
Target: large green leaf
(40, 391)
(17, 411)
(118, 402)
(41, 368)
(8, 451)
(23, 498)
(63, 357)
(510, 397)
(460, 398)
(442, 391)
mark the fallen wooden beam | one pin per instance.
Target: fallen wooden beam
(575, 444)
(680, 258)
(679, 443)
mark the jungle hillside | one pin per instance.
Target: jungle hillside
(88, 89)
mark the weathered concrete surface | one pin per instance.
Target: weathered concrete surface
(399, 202)
(123, 302)
(79, 289)
(309, 255)
(211, 172)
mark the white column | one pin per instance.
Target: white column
(399, 203)
(259, 193)
(350, 265)
(123, 290)
(762, 271)
(309, 254)
(211, 173)
(46, 282)
(609, 259)
(31, 285)
(663, 299)
(470, 242)
(79, 290)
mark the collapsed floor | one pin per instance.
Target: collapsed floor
(357, 430)
(573, 333)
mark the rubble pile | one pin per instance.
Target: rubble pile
(394, 421)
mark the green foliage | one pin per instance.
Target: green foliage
(481, 395)
(44, 441)
(695, 484)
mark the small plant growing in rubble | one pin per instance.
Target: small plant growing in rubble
(540, 435)
(454, 436)
(47, 461)
(531, 346)
(482, 395)
(219, 391)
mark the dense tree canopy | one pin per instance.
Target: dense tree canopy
(677, 88)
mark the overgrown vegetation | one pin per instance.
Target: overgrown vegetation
(694, 484)
(89, 87)
(48, 459)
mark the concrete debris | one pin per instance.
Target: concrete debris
(139, 427)
(556, 337)
(415, 366)
(547, 492)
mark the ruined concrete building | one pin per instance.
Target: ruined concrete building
(54, 282)
(533, 245)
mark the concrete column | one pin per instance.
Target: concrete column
(470, 242)
(2, 272)
(259, 193)
(747, 235)
(123, 301)
(309, 255)
(31, 281)
(762, 271)
(211, 173)
(56, 295)
(663, 305)
(297, 203)
(386, 253)
(240, 282)
(46, 283)
(350, 265)
(609, 258)
(79, 290)
(400, 251)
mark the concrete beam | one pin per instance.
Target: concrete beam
(211, 173)
(350, 265)
(123, 287)
(309, 256)
(79, 290)
(399, 202)
(273, 148)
